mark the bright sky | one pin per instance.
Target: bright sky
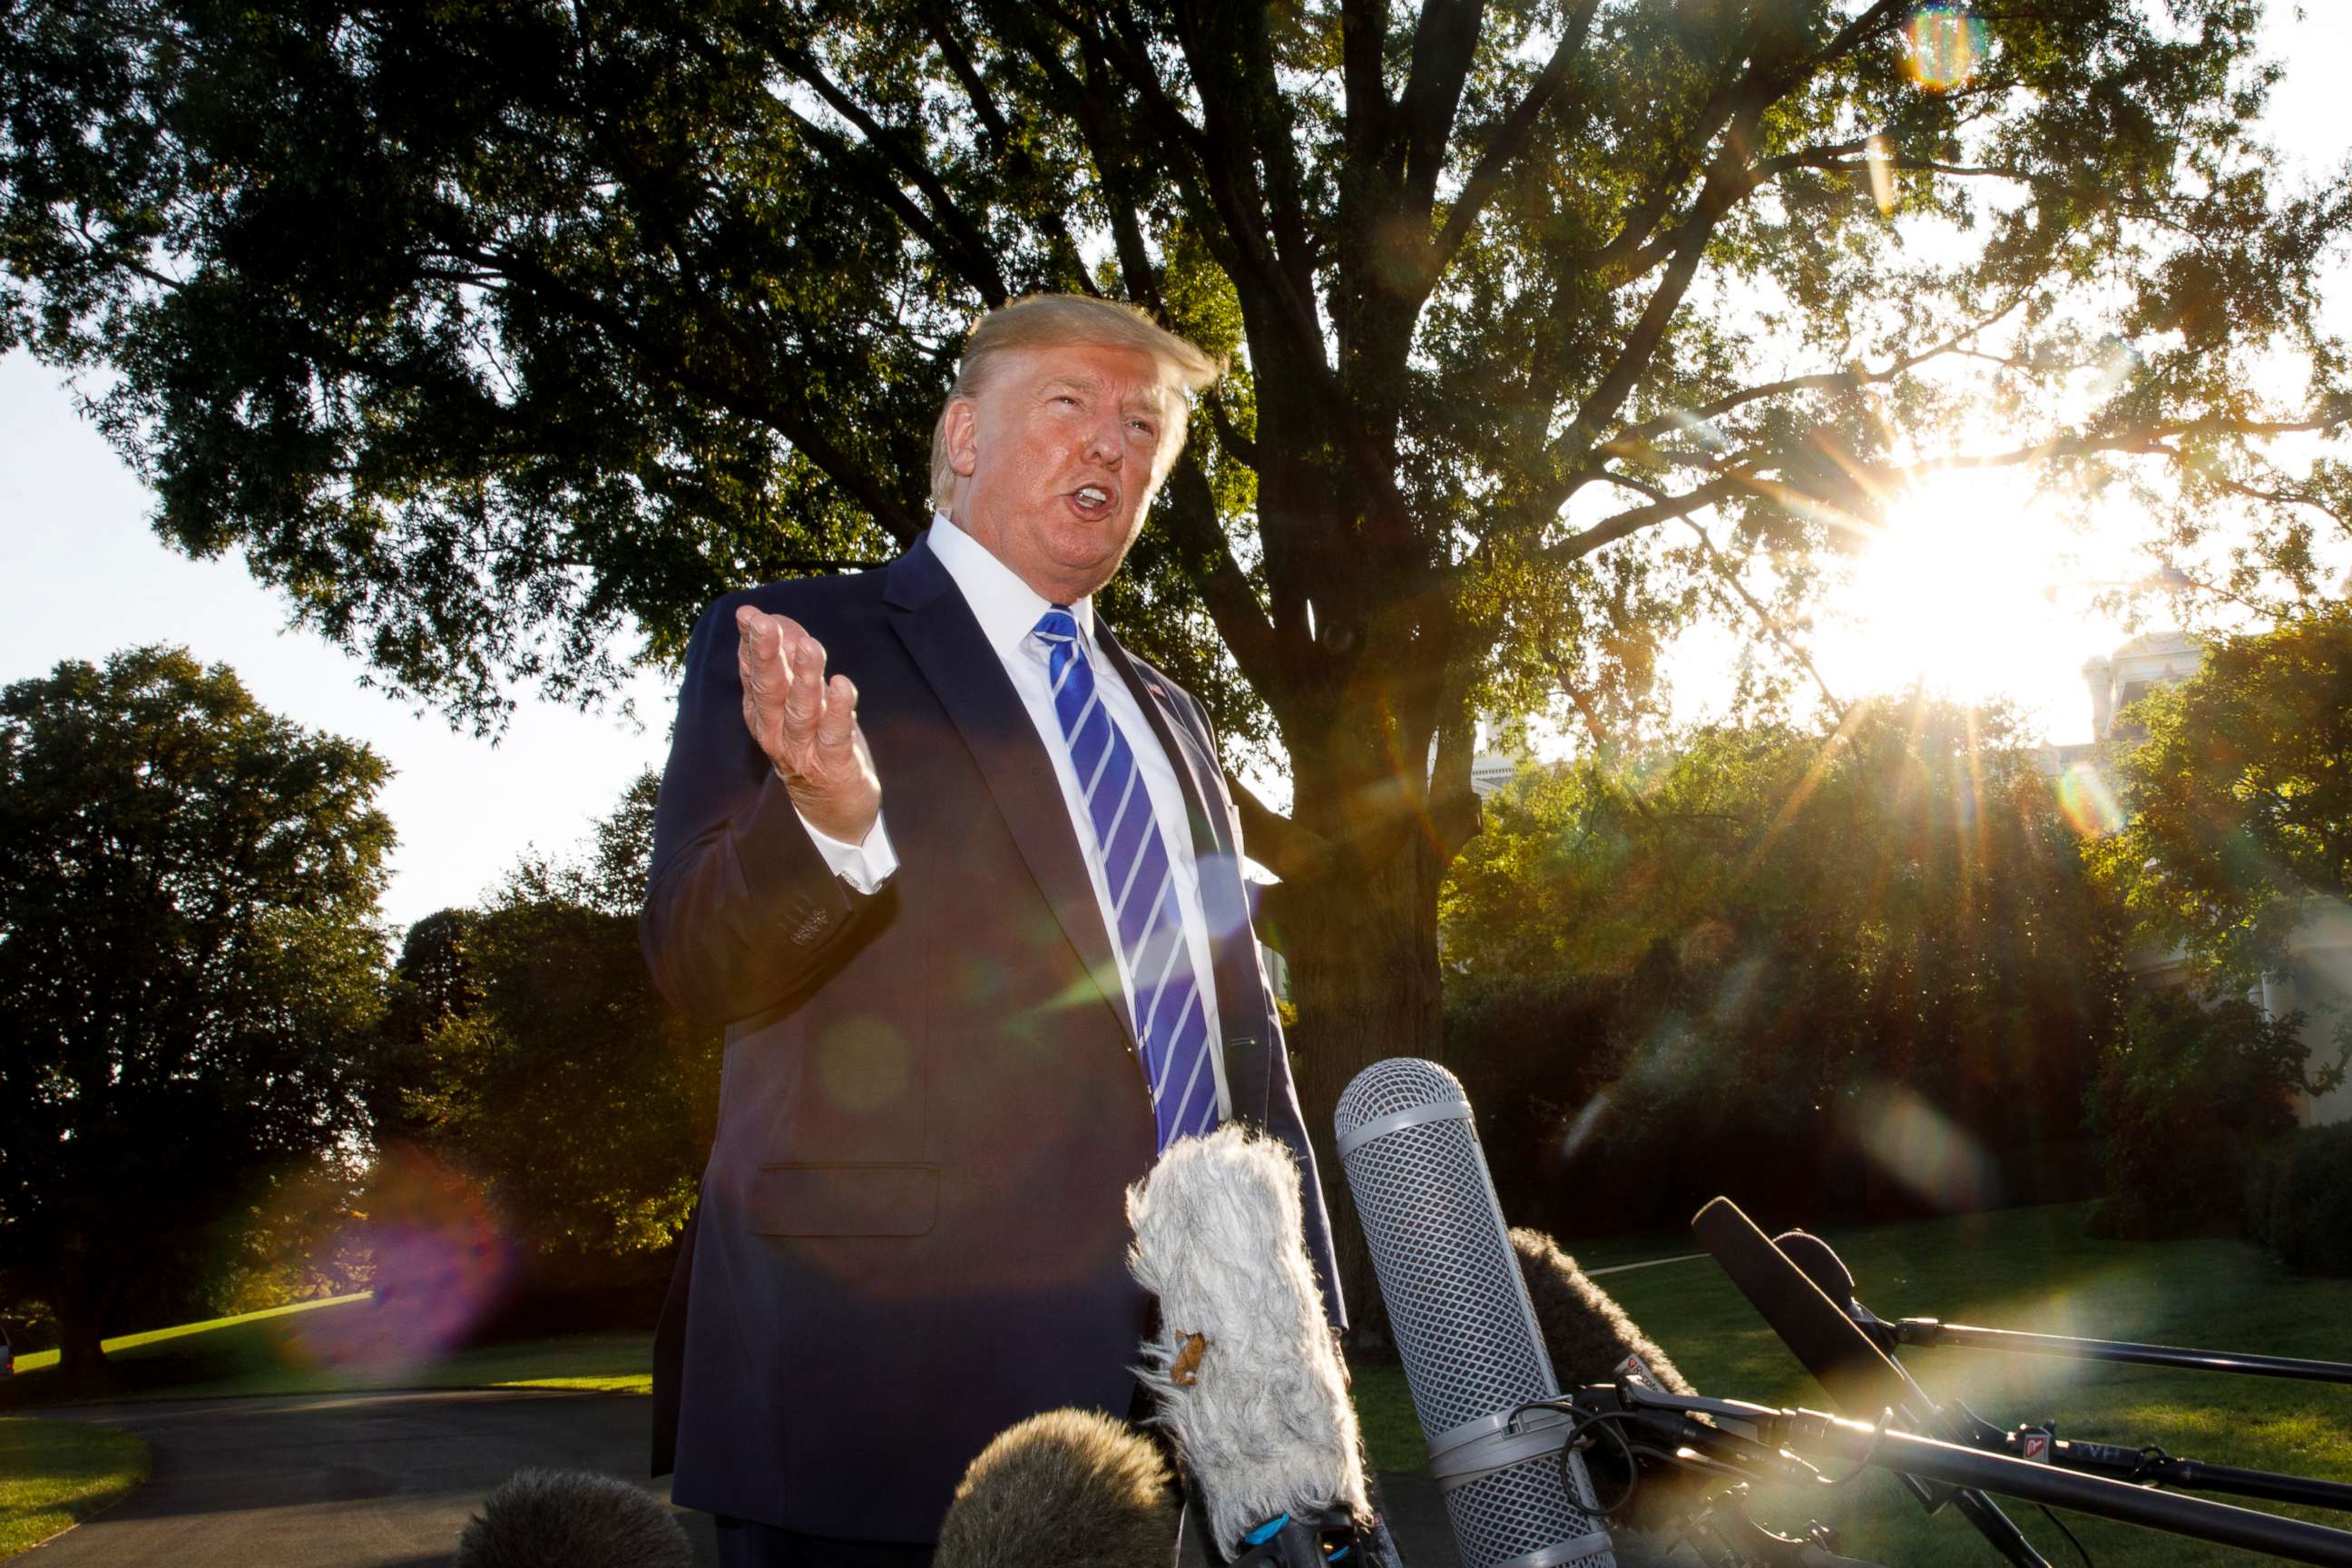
(85, 577)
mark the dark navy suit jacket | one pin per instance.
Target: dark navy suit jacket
(911, 1232)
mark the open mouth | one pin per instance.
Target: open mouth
(1092, 502)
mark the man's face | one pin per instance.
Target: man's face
(1060, 453)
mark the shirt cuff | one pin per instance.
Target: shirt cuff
(865, 867)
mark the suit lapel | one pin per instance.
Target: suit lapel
(1196, 769)
(946, 644)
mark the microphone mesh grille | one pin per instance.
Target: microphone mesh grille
(1458, 1304)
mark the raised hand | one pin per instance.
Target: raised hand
(806, 724)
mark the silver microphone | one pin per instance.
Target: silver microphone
(1459, 1311)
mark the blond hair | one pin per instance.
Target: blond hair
(1066, 320)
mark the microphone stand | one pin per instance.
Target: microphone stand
(1928, 1331)
(2146, 1465)
(1743, 1438)
(2153, 1466)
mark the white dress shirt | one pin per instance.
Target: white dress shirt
(1008, 610)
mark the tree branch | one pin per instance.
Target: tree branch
(1273, 841)
(799, 427)
(1611, 529)
(1510, 139)
(892, 145)
(1443, 46)
(1852, 378)
(1000, 130)
(1224, 589)
(1766, 621)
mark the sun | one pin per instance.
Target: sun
(1967, 592)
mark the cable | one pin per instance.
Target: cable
(1580, 1422)
(2069, 1534)
(1608, 1422)
(1877, 1437)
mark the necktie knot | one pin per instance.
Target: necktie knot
(1056, 625)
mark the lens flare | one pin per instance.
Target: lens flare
(2089, 804)
(438, 1263)
(1923, 1150)
(1880, 158)
(1944, 46)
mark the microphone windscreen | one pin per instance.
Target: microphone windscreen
(571, 1519)
(1464, 1327)
(1584, 1330)
(1066, 1487)
(1245, 1375)
(1819, 1262)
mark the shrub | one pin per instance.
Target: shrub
(2183, 1101)
(2299, 1200)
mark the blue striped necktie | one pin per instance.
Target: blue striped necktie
(1166, 995)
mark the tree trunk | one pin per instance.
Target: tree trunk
(1362, 948)
(80, 1308)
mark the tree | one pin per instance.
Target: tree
(189, 968)
(2192, 1093)
(1872, 962)
(2238, 803)
(486, 332)
(553, 1072)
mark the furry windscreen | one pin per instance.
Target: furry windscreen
(1584, 1330)
(1263, 1421)
(1071, 1487)
(571, 1519)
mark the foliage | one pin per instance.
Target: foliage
(553, 1072)
(2299, 1199)
(2238, 802)
(1869, 961)
(2194, 1089)
(1529, 1052)
(493, 333)
(189, 968)
(485, 332)
(432, 981)
(299, 1239)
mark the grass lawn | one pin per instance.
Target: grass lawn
(2033, 1269)
(54, 1472)
(292, 1350)
(2030, 1269)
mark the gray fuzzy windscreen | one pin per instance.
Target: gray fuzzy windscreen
(571, 1519)
(1072, 1487)
(1585, 1331)
(1264, 1423)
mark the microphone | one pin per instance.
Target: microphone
(1067, 1487)
(1585, 1334)
(1860, 1377)
(1464, 1324)
(1829, 1343)
(1242, 1367)
(1820, 1263)
(571, 1519)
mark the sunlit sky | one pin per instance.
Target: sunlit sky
(1974, 590)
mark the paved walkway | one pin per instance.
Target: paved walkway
(386, 1480)
(368, 1480)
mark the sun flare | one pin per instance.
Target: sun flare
(1969, 591)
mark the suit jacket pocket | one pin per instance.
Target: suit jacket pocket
(845, 1200)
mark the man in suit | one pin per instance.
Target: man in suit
(961, 878)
